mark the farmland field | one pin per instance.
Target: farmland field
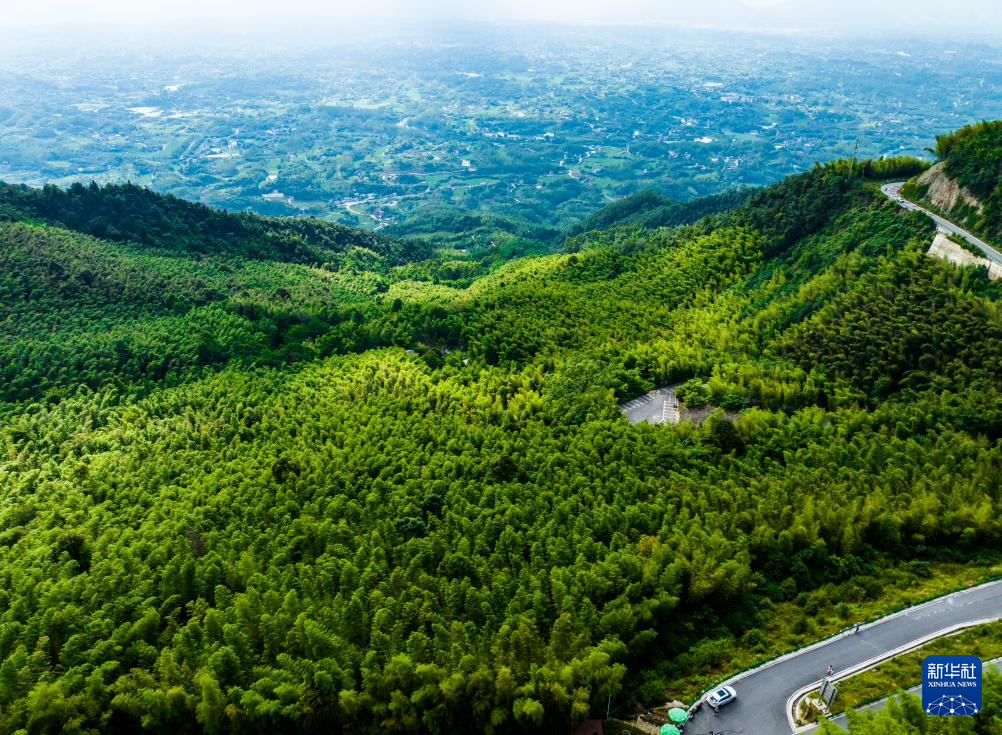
(533, 126)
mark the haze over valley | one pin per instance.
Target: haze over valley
(504, 368)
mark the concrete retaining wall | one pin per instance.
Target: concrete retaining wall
(944, 247)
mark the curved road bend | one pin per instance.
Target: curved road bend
(841, 719)
(760, 708)
(893, 192)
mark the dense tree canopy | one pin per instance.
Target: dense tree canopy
(245, 494)
(125, 212)
(972, 156)
(650, 209)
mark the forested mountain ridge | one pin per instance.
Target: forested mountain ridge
(245, 495)
(650, 210)
(81, 312)
(129, 213)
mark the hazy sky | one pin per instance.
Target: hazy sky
(979, 17)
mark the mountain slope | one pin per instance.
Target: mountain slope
(128, 213)
(81, 312)
(257, 496)
(650, 210)
(966, 185)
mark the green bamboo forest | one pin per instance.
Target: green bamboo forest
(972, 156)
(263, 475)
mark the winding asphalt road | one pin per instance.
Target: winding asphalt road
(893, 192)
(763, 693)
(841, 719)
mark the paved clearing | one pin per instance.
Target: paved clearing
(657, 407)
(662, 406)
(760, 708)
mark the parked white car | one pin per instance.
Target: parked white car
(720, 697)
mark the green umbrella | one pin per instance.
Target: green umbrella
(677, 714)
(669, 730)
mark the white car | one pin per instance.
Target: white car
(720, 697)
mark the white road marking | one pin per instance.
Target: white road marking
(893, 191)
